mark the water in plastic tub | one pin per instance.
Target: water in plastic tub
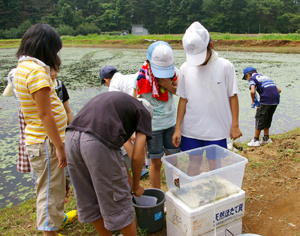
(204, 175)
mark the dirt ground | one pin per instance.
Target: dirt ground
(271, 183)
(276, 46)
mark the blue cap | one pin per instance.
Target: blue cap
(247, 70)
(161, 57)
(107, 72)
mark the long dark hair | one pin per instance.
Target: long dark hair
(42, 42)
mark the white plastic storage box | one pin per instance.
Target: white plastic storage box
(197, 221)
(200, 176)
(233, 228)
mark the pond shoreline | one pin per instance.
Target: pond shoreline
(270, 46)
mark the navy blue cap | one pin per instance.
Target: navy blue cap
(107, 72)
(247, 70)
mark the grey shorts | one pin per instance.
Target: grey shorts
(100, 181)
(264, 116)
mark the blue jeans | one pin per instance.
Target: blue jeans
(161, 143)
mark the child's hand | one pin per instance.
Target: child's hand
(176, 137)
(139, 191)
(166, 83)
(235, 132)
(132, 138)
(62, 159)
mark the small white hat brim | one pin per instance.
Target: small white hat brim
(197, 59)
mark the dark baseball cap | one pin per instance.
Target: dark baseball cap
(107, 72)
(247, 70)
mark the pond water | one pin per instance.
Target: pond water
(80, 73)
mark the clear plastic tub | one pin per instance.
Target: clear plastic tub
(204, 175)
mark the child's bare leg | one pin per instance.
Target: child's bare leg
(49, 233)
(214, 164)
(257, 133)
(129, 230)
(174, 160)
(266, 131)
(194, 165)
(99, 227)
(155, 172)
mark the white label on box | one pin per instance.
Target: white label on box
(176, 179)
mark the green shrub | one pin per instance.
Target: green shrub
(23, 28)
(11, 33)
(65, 30)
(86, 28)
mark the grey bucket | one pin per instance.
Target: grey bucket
(151, 218)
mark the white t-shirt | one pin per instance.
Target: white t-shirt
(207, 88)
(122, 83)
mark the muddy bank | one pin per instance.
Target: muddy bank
(276, 46)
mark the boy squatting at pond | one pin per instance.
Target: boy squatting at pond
(115, 81)
(269, 99)
(101, 181)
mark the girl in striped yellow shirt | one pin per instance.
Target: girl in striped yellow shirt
(46, 121)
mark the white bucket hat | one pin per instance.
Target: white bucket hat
(147, 105)
(195, 42)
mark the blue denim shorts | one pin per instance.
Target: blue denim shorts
(191, 143)
(161, 143)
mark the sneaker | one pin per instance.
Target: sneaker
(262, 142)
(144, 171)
(253, 143)
(69, 217)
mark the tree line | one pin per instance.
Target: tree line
(74, 17)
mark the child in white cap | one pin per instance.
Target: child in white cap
(208, 109)
(156, 82)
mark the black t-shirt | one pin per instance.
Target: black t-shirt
(113, 117)
(65, 93)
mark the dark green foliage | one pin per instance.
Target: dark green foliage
(65, 30)
(158, 16)
(85, 29)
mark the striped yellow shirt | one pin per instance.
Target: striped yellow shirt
(32, 75)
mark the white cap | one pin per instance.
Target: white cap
(147, 105)
(161, 57)
(195, 42)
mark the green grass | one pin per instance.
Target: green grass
(94, 39)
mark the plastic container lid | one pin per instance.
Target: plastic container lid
(146, 200)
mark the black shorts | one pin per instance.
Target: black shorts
(264, 115)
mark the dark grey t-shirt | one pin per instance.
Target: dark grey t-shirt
(113, 117)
